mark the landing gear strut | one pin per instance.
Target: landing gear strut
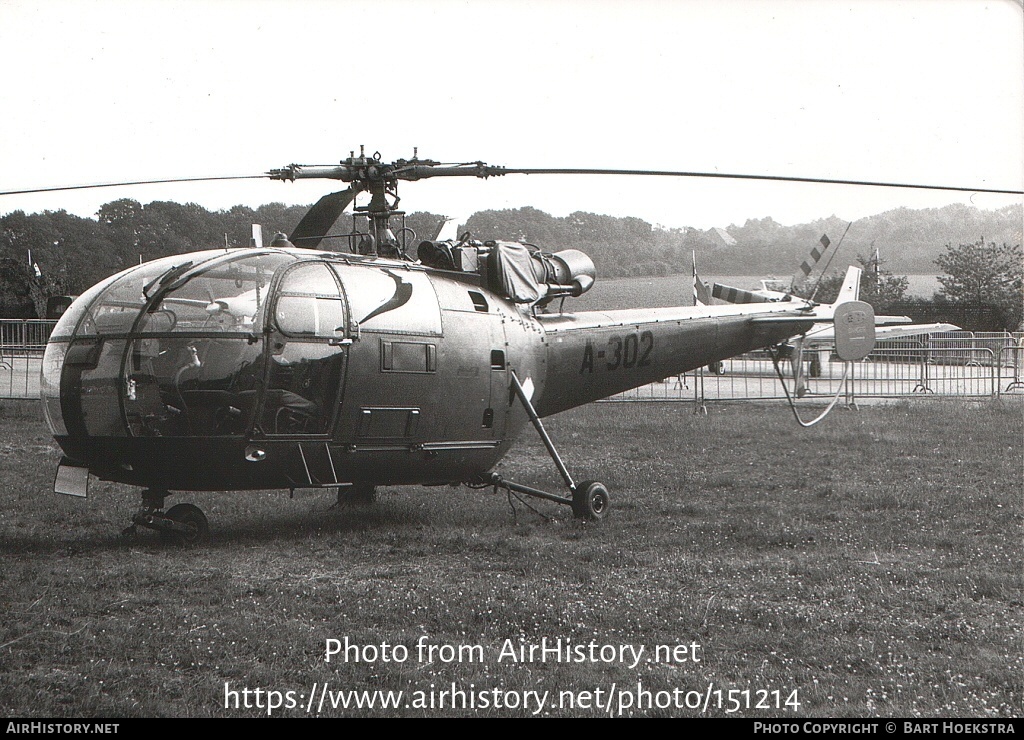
(182, 524)
(589, 500)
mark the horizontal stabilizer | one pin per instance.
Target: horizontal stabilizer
(786, 318)
(888, 320)
(910, 330)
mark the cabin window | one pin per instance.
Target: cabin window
(310, 316)
(310, 304)
(221, 296)
(390, 299)
(191, 386)
(122, 297)
(306, 362)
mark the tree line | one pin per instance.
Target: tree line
(56, 253)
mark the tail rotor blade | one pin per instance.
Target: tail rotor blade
(318, 221)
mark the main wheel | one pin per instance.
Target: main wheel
(590, 501)
(193, 518)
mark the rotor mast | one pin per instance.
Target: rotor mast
(380, 180)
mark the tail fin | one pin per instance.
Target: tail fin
(850, 290)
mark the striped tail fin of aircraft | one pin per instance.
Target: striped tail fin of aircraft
(738, 295)
(812, 259)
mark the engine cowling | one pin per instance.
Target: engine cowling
(572, 268)
(522, 272)
(527, 275)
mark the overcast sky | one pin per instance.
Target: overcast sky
(919, 91)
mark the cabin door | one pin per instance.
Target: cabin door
(306, 353)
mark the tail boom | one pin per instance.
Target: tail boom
(594, 355)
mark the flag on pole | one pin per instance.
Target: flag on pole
(701, 296)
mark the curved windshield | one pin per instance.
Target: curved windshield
(220, 296)
(116, 309)
(69, 320)
(173, 347)
(197, 363)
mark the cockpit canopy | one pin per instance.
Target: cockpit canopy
(205, 291)
(223, 343)
(162, 349)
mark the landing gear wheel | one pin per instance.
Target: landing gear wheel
(590, 501)
(193, 519)
(357, 493)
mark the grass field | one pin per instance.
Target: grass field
(871, 564)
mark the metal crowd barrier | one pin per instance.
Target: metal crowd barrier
(948, 364)
(22, 342)
(961, 364)
(1011, 369)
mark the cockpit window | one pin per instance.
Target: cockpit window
(69, 320)
(117, 307)
(170, 348)
(223, 296)
(310, 303)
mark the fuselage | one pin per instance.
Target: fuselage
(273, 368)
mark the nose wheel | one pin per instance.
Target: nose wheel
(188, 526)
(182, 524)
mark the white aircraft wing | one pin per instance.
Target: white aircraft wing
(822, 335)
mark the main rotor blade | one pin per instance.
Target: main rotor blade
(729, 176)
(421, 171)
(133, 182)
(321, 217)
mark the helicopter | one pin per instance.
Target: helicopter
(295, 366)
